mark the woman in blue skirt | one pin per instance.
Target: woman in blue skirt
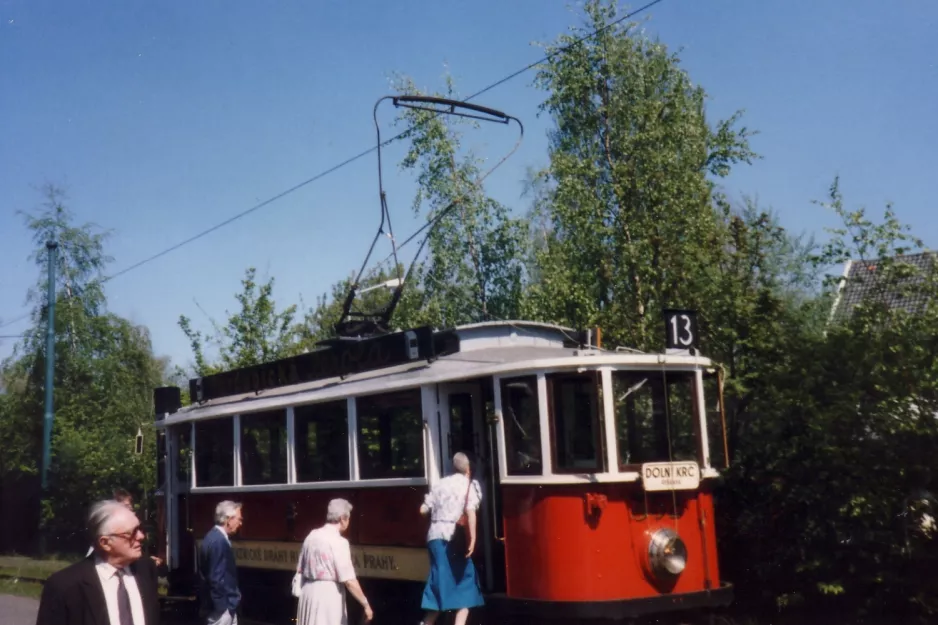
(452, 504)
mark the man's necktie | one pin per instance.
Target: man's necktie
(124, 615)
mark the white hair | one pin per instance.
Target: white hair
(101, 518)
(225, 510)
(338, 509)
(461, 463)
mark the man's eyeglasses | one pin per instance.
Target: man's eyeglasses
(129, 536)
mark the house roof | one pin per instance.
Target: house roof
(865, 281)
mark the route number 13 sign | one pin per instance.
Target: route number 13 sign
(681, 329)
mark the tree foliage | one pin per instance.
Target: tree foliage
(473, 270)
(826, 504)
(256, 333)
(105, 372)
(630, 212)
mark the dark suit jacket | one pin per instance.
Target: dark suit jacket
(74, 596)
(218, 575)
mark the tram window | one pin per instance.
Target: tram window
(182, 434)
(214, 452)
(390, 435)
(645, 404)
(522, 426)
(161, 459)
(715, 430)
(321, 432)
(575, 427)
(264, 448)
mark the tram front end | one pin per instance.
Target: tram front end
(609, 514)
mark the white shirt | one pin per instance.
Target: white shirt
(326, 556)
(447, 502)
(108, 576)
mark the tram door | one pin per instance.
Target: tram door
(178, 481)
(463, 428)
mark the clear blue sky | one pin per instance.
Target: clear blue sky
(164, 118)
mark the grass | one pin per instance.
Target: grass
(20, 588)
(24, 567)
(23, 576)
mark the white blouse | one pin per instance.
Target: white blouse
(447, 502)
(326, 556)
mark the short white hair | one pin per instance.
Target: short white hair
(338, 509)
(461, 463)
(225, 510)
(101, 518)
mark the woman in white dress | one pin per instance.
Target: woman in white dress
(326, 568)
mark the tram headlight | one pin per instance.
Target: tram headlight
(667, 554)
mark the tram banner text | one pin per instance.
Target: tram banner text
(401, 563)
(670, 476)
(343, 358)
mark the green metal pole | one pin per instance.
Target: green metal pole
(50, 368)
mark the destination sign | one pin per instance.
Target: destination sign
(342, 358)
(657, 476)
(400, 563)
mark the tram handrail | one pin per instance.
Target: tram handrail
(493, 486)
(428, 446)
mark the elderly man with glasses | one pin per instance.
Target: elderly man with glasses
(114, 586)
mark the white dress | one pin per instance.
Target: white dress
(325, 564)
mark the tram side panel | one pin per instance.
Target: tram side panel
(382, 516)
(589, 542)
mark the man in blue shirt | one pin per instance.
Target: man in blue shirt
(217, 571)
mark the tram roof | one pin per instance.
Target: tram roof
(485, 349)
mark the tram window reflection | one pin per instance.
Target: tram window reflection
(522, 426)
(575, 428)
(390, 435)
(321, 432)
(182, 434)
(715, 431)
(264, 448)
(645, 404)
(214, 452)
(161, 459)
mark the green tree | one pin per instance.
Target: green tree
(474, 268)
(105, 372)
(632, 228)
(629, 219)
(819, 509)
(255, 334)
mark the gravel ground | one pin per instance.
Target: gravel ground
(18, 610)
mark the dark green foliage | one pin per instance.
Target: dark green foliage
(824, 506)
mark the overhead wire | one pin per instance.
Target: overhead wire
(356, 157)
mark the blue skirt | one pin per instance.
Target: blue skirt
(453, 583)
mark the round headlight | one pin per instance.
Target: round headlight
(667, 554)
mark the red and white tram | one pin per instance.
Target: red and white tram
(597, 466)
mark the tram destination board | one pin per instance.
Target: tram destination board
(339, 359)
